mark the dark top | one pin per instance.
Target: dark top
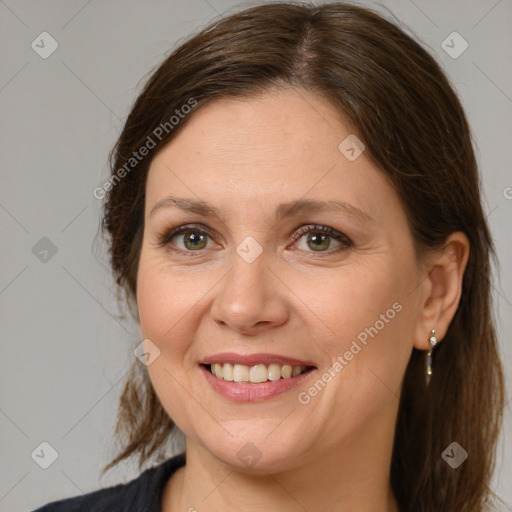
(142, 494)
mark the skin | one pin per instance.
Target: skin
(245, 157)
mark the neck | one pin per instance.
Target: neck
(353, 476)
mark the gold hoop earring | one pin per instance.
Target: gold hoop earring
(433, 342)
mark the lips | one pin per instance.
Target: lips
(254, 359)
(254, 377)
(257, 373)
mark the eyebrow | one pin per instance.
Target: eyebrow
(284, 210)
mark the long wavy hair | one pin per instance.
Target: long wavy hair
(415, 130)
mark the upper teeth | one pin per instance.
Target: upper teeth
(257, 373)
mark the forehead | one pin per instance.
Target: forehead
(278, 125)
(277, 147)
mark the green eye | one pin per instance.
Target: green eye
(319, 238)
(190, 239)
(196, 241)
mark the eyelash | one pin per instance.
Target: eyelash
(165, 238)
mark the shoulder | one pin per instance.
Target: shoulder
(142, 493)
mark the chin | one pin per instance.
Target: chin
(255, 451)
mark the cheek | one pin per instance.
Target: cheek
(354, 299)
(164, 299)
(166, 307)
(369, 322)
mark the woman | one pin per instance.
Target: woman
(294, 214)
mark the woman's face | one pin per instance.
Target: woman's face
(246, 283)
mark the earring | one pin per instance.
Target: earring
(433, 342)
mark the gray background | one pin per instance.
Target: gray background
(65, 352)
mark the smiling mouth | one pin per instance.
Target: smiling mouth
(255, 374)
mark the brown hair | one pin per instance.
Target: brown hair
(415, 130)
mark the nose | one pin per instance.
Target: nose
(250, 298)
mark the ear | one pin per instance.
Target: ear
(440, 292)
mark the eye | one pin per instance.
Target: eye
(192, 238)
(319, 238)
(189, 238)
